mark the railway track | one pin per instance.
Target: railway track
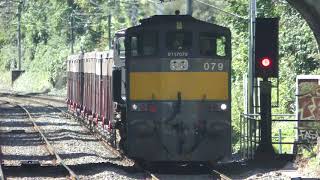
(220, 176)
(100, 136)
(56, 164)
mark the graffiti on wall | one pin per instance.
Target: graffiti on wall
(309, 100)
(308, 109)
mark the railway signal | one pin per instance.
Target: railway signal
(267, 47)
(266, 66)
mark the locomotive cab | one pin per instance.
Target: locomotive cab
(119, 80)
(178, 90)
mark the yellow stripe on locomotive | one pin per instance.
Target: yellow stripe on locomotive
(191, 85)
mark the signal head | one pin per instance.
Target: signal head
(266, 62)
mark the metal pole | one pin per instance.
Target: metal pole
(250, 96)
(19, 35)
(245, 94)
(247, 137)
(241, 135)
(280, 141)
(109, 31)
(189, 7)
(72, 33)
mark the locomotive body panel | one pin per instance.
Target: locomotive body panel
(191, 85)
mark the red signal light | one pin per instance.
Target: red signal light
(266, 62)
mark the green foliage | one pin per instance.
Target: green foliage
(48, 29)
(287, 135)
(5, 80)
(310, 162)
(33, 82)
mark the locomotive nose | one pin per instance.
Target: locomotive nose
(185, 132)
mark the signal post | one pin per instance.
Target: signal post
(266, 66)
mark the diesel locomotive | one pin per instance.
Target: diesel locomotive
(165, 88)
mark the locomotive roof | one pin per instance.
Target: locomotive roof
(165, 19)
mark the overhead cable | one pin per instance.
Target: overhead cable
(221, 10)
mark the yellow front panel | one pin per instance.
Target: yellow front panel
(166, 85)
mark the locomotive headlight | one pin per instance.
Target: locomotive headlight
(223, 107)
(124, 98)
(134, 107)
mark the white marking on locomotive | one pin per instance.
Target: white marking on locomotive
(179, 65)
(213, 66)
(178, 54)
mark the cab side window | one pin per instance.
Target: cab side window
(212, 45)
(120, 47)
(144, 44)
(207, 44)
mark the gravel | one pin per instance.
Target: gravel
(74, 143)
(111, 173)
(18, 140)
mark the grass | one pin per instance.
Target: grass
(309, 163)
(5, 80)
(30, 82)
(288, 133)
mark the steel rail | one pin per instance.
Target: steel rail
(1, 171)
(50, 148)
(220, 175)
(2, 177)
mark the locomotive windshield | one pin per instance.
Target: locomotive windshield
(144, 45)
(179, 40)
(212, 45)
(120, 47)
